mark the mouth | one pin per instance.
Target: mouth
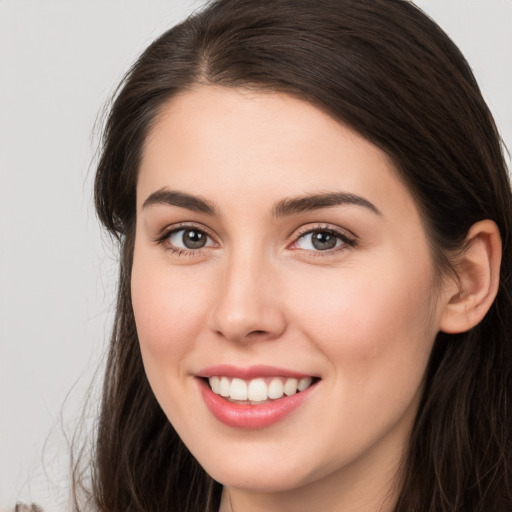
(256, 397)
(259, 390)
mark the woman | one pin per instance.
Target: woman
(314, 304)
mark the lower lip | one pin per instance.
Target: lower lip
(251, 416)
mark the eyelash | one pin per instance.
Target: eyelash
(347, 241)
(163, 240)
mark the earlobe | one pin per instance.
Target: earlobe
(478, 271)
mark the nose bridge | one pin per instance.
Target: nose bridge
(247, 301)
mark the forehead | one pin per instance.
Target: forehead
(221, 142)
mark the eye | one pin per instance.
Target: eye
(189, 239)
(322, 239)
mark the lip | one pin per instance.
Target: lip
(251, 372)
(246, 416)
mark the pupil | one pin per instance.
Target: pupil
(193, 239)
(323, 240)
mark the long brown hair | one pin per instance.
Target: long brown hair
(386, 70)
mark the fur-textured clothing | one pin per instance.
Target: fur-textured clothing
(27, 508)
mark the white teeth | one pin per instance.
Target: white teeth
(290, 387)
(258, 390)
(304, 383)
(275, 389)
(215, 385)
(224, 386)
(238, 389)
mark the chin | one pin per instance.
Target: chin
(260, 480)
(266, 469)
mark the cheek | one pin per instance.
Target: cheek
(377, 334)
(168, 312)
(377, 328)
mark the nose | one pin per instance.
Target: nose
(247, 304)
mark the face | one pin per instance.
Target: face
(280, 261)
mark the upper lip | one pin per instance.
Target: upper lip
(249, 372)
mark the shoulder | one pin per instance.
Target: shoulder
(20, 507)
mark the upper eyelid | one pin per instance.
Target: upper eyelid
(310, 228)
(292, 237)
(162, 237)
(172, 228)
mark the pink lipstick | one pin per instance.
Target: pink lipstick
(255, 397)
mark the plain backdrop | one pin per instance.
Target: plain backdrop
(59, 63)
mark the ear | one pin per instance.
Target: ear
(478, 271)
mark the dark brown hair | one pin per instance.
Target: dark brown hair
(386, 70)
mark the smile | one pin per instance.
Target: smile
(256, 397)
(256, 391)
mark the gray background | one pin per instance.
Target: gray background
(59, 62)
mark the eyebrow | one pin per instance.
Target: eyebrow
(181, 199)
(317, 201)
(282, 208)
